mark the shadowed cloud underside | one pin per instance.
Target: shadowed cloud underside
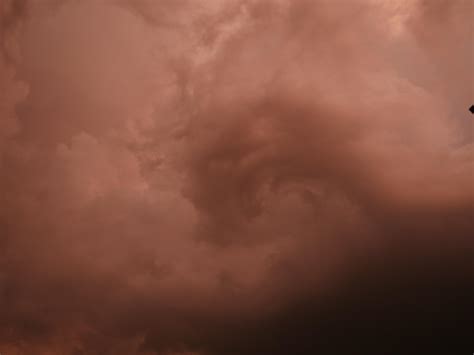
(235, 177)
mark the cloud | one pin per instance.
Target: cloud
(12, 14)
(234, 177)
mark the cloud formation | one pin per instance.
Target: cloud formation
(233, 177)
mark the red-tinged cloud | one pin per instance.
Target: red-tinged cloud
(232, 177)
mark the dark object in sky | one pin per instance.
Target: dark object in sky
(471, 109)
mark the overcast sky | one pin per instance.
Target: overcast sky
(235, 177)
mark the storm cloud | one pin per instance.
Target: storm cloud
(232, 177)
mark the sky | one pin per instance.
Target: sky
(235, 177)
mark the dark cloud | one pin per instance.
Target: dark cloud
(235, 177)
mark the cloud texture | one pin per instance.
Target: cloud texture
(232, 177)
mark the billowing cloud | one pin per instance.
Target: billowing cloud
(232, 177)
